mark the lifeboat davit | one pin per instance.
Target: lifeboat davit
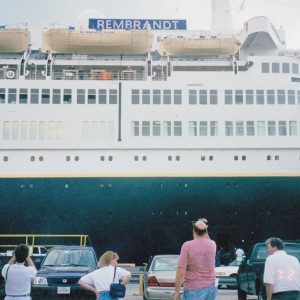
(14, 39)
(108, 42)
(201, 46)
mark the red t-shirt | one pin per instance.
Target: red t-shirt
(198, 258)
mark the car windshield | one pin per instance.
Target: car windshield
(69, 257)
(165, 264)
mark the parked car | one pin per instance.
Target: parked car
(250, 273)
(159, 277)
(60, 272)
(227, 275)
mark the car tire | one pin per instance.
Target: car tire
(241, 294)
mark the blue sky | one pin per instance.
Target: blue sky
(39, 14)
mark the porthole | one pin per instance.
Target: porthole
(136, 158)
(169, 158)
(102, 158)
(110, 158)
(203, 158)
(5, 158)
(76, 158)
(41, 158)
(68, 158)
(32, 158)
(144, 158)
(276, 157)
(244, 157)
(177, 157)
(269, 157)
(211, 158)
(236, 157)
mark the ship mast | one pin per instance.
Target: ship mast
(221, 20)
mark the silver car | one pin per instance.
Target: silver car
(159, 277)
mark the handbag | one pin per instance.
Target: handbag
(117, 290)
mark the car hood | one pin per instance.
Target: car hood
(60, 270)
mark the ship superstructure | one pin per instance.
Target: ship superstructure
(201, 124)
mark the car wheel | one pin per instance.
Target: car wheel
(241, 295)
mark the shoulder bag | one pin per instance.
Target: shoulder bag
(117, 290)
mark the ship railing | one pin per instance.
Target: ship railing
(10, 241)
(98, 74)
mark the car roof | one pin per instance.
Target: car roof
(72, 248)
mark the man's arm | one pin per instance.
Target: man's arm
(269, 290)
(30, 263)
(180, 274)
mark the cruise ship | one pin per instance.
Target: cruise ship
(130, 130)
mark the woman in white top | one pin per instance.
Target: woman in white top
(99, 281)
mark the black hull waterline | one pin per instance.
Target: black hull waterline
(139, 217)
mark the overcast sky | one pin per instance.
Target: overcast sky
(39, 14)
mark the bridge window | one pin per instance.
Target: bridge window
(203, 97)
(265, 67)
(146, 97)
(12, 96)
(192, 97)
(80, 96)
(113, 96)
(102, 96)
(67, 96)
(45, 96)
(271, 128)
(281, 96)
(2, 95)
(270, 97)
(249, 97)
(167, 97)
(34, 96)
(275, 68)
(91, 96)
(56, 96)
(213, 128)
(23, 96)
(228, 128)
(156, 96)
(177, 97)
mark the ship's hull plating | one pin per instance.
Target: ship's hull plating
(138, 217)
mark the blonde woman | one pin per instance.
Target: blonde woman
(99, 281)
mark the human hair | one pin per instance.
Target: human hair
(275, 242)
(106, 258)
(21, 253)
(199, 231)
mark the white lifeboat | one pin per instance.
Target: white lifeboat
(108, 42)
(198, 46)
(14, 39)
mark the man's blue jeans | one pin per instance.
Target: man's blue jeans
(105, 296)
(209, 293)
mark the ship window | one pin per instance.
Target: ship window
(32, 158)
(144, 158)
(23, 97)
(249, 97)
(85, 130)
(228, 128)
(167, 97)
(45, 96)
(33, 130)
(275, 68)
(102, 96)
(177, 157)
(156, 128)
(211, 158)
(34, 96)
(59, 130)
(203, 128)
(243, 157)
(24, 130)
(261, 128)
(281, 96)
(291, 97)
(41, 158)
(156, 96)
(276, 157)
(80, 96)
(169, 158)
(68, 158)
(192, 128)
(213, 97)
(12, 95)
(135, 128)
(91, 96)
(293, 127)
(295, 68)
(260, 97)
(76, 158)
(177, 97)
(213, 128)
(271, 128)
(250, 128)
(265, 67)
(146, 97)
(2, 95)
(239, 97)
(228, 96)
(42, 130)
(269, 157)
(5, 158)
(239, 128)
(270, 97)
(67, 96)
(282, 128)
(202, 157)
(192, 97)
(285, 68)
(166, 128)
(298, 97)
(113, 99)
(203, 97)
(236, 157)
(56, 96)
(136, 158)
(145, 128)
(135, 97)
(51, 130)
(102, 158)
(110, 158)
(6, 130)
(177, 128)
(15, 130)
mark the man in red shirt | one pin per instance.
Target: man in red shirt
(196, 266)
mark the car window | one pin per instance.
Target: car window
(70, 257)
(165, 264)
(293, 250)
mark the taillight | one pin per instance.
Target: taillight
(152, 281)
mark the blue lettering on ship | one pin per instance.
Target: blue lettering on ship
(128, 24)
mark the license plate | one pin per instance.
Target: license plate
(63, 290)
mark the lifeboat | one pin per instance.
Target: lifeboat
(110, 42)
(14, 39)
(194, 46)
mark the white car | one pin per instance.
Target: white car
(227, 275)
